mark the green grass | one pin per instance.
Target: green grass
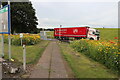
(108, 33)
(82, 66)
(33, 52)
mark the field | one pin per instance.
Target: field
(108, 33)
(104, 53)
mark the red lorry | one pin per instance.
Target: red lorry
(76, 32)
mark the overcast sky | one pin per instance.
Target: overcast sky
(77, 13)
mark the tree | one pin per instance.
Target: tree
(23, 19)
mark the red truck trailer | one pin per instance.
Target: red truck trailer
(76, 32)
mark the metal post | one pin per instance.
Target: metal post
(9, 52)
(1, 4)
(9, 38)
(0, 71)
(24, 57)
(21, 41)
(2, 37)
(3, 45)
(8, 2)
(2, 50)
(43, 34)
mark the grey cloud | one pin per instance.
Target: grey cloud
(96, 14)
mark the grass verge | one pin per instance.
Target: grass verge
(33, 52)
(82, 66)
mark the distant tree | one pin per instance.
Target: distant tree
(50, 29)
(23, 19)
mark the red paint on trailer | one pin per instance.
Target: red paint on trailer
(71, 32)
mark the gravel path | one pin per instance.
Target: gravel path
(50, 64)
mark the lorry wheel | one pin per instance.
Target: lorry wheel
(91, 39)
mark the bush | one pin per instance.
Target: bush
(27, 39)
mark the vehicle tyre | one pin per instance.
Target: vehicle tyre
(91, 39)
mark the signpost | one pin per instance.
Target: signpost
(5, 25)
(5, 20)
(9, 30)
(5, 28)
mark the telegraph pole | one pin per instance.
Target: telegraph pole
(60, 32)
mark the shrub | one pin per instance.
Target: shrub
(28, 39)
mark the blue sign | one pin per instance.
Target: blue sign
(5, 20)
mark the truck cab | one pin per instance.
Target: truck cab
(93, 34)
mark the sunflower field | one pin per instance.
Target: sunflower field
(105, 52)
(28, 39)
